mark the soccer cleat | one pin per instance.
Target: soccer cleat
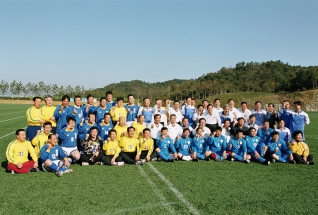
(12, 172)
(195, 159)
(85, 164)
(59, 174)
(154, 159)
(98, 163)
(207, 158)
(68, 171)
(171, 160)
(232, 159)
(138, 163)
(120, 163)
(143, 161)
(34, 170)
(273, 160)
(267, 163)
(247, 161)
(159, 159)
(292, 162)
(311, 163)
(218, 159)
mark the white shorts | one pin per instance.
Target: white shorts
(68, 150)
(57, 162)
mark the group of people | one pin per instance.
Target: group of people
(114, 133)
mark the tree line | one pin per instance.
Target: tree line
(271, 76)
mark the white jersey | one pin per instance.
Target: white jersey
(213, 118)
(219, 110)
(156, 130)
(174, 131)
(177, 112)
(284, 134)
(226, 134)
(196, 117)
(248, 125)
(205, 132)
(245, 114)
(236, 114)
(162, 112)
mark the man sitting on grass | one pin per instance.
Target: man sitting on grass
(300, 149)
(92, 147)
(111, 150)
(166, 149)
(53, 157)
(17, 155)
(198, 145)
(217, 145)
(183, 145)
(238, 148)
(278, 149)
(129, 147)
(146, 147)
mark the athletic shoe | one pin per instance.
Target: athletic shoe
(207, 159)
(247, 161)
(122, 163)
(68, 171)
(218, 160)
(85, 164)
(143, 161)
(154, 159)
(232, 159)
(34, 170)
(267, 163)
(195, 159)
(59, 174)
(98, 163)
(292, 162)
(171, 160)
(159, 159)
(138, 163)
(12, 172)
(311, 163)
(273, 160)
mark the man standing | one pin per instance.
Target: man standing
(245, 113)
(132, 110)
(176, 111)
(33, 115)
(188, 110)
(147, 111)
(47, 112)
(259, 113)
(212, 118)
(62, 112)
(17, 155)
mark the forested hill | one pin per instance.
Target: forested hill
(270, 76)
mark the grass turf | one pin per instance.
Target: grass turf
(211, 187)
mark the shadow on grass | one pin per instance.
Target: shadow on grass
(4, 165)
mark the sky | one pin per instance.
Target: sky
(95, 43)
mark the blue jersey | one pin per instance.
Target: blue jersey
(132, 113)
(284, 134)
(260, 116)
(84, 129)
(280, 145)
(148, 114)
(217, 144)
(61, 117)
(285, 115)
(103, 130)
(238, 146)
(100, 112)
(188, 112)
(265, 135)
(109, 105)
(68, 138)
(78, 116)
(298, 121)
(252, 144)
(198, 144)
(183, 146)
(165, 145)
(55, 153)
(91, 109)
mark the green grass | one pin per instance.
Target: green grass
(211, 187)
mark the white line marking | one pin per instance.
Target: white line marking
(11, 119)
(145, 206)
(176, 192)
(11, 113)
(9, 134)
(157, 191)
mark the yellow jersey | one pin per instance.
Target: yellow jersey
(138, 129)
(120, 130)
(146, 145)
(300, 148)
(39, 141)
(47, 112)
(128, 144)
(117, 112)
(17, 152)
(111, 148)
(33, 116)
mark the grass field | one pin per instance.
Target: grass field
(160, 188)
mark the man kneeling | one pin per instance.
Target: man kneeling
(53, 157)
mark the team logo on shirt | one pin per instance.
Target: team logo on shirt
(280, 145)
(129, 146)
(168, 141)
(256, 140)
(221, 141)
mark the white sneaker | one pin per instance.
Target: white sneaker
(268, 162)
(232, 159)
(247, 161)
(154, 159)
(143, 161)
(273, 160)
(186, 158)
(138, 162)
(59, 174)
(68, 171)
(12, 172)
(85, 164)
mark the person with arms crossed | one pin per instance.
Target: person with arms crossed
(53, 157)
(17, 155)
(33, 115)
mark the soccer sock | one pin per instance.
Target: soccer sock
(63, 168)
(213, 156)
(237, 157)
(53, 167)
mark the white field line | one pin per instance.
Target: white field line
(9, 134)
(11, 119)
(11, 113)
(157, 191)
(176, 192)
